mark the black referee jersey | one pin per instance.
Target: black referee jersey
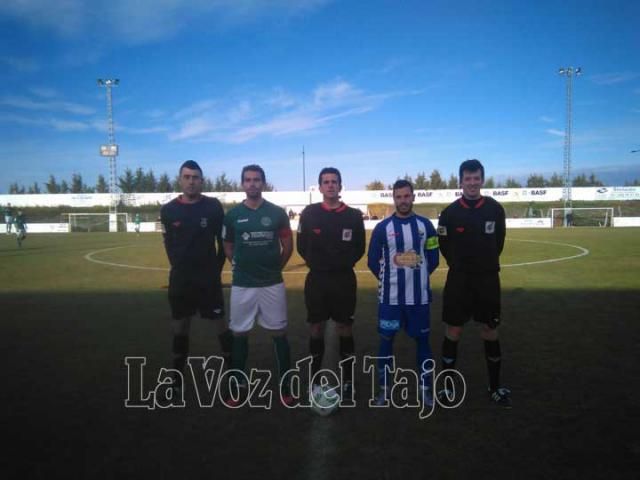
(330, 239)
(471, 234)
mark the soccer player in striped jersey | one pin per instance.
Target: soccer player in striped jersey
(403, 252)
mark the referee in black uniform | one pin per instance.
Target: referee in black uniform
(331, 240)
(192, 231)
(471, 235)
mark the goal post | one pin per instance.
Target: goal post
(582, 217)
(96, 222)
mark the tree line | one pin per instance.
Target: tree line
(435, 182)
(137, 181)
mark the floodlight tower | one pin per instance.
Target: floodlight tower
(569, 73)
(304, 180)
(110, 149)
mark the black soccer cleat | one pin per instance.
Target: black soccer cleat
(501, 396)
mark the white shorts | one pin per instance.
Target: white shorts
(266, 304)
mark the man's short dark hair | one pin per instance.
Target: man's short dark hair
(402, 183)
(253, 168)
(333, 170)
(191, 165)
(472, 165)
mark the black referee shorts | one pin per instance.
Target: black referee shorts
(189, 295)
(330, 295)
(470, 296)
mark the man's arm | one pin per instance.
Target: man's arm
(286, 244)
(501, 229)
(375, 252)
(220, 253)
(443, 235)
(431, 249)
(166, 225)
(228, 250)
(359, 239)
(301, 238)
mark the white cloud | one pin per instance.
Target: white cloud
(44, 92)
(20, 65)
(68, 125)
(145, 21)
(613, 78)
(275, 114)
(25, 103)
(545, 119)
(555, 132)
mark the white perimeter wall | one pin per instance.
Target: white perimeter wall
(297, 200)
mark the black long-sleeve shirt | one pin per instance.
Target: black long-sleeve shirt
(331, 239)
(471, 234)
(193, 237)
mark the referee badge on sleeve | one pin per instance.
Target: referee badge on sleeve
(442, 230)
(489, 227)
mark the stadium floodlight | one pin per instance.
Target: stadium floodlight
(111, 149)
(568, 72)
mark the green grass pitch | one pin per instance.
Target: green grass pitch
(570, 342)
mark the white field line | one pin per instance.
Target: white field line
(583, 251)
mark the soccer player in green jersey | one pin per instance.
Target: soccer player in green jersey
(8, 217)
(20, 222)
(258, 243)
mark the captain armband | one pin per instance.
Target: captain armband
(432, 243)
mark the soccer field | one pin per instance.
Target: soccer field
(75, 305)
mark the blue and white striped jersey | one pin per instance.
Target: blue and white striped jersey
(402, 254)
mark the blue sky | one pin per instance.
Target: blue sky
(376, 88)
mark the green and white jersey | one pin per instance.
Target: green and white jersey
(256, 235)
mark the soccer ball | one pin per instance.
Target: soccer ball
(324, 400)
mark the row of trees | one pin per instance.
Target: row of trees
(147, 182)
(129, 182)
(435, 182)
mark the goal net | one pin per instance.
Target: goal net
(96, 222)
(582, 217)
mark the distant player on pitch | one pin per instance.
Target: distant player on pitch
(331, 240)
(8, 218)
(471, 234)
(258, 242)
(192, 231)
(403, 252)
(20, 222)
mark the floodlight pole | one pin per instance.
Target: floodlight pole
(304, 181)
(113, 190)
(569, 73)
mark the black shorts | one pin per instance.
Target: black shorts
(330, 295)
(471, 296)
(190, 295)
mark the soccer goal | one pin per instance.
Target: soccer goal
(582, 217)
(96, 222)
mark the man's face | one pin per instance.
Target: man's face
(191, 182)
(403, 199)
(471, 184)
(252, 184)
(330, 186)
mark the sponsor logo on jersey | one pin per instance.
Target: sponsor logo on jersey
(389, 324)
(490, 227)
(347, 234)
(177, 223)
(203, 222)
(266, 221)
(243, 220)
(246, 236)
(460, 229)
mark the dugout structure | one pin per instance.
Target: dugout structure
(96, 222)
(582, 217)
